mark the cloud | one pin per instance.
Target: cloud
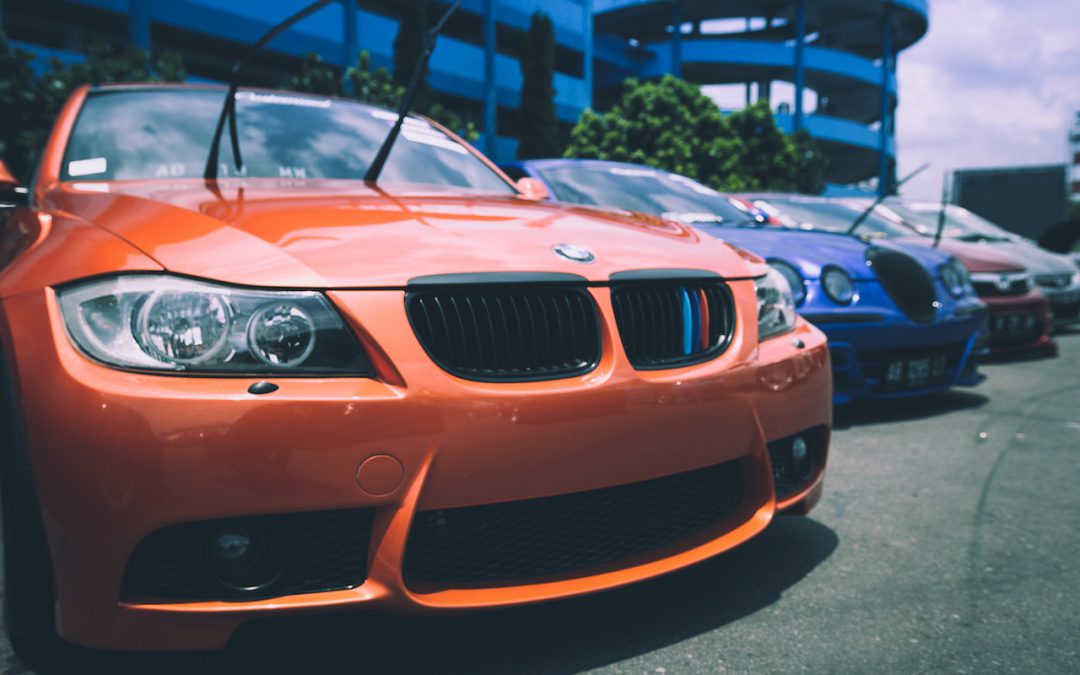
(994, 83)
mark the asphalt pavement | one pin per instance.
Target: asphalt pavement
(948, 540)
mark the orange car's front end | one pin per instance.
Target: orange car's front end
(549, 401)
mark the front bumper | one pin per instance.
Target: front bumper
(1020, 324)
(862, 354)
(117, 456)
(1064, 305)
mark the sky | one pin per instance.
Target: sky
(993, 83)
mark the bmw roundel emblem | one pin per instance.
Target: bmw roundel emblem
(574, 253)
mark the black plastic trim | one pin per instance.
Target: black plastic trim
(495, 278)
(664, 275)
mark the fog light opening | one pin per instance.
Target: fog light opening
(242, 558)
(801, 459)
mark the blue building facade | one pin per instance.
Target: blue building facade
(840, 53)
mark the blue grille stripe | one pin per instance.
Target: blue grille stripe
(687, 324)
(695, 312)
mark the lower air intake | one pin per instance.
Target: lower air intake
(552, 535)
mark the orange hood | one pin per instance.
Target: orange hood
(345, 234)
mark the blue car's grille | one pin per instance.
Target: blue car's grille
(906, 281)
(670, 324)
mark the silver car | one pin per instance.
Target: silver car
(1056, 274)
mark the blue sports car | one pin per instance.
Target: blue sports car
(902, 319)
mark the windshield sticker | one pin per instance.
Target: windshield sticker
(693, 218)
(278, 99)
(88, 167)
(644, 173)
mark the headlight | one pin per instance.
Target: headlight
(776, 308)
(152, 322)
(838, 285)
(794, 279)
(955, 278)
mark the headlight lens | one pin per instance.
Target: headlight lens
(776, 307)
(153, 322)
(838, 285)
(955, 278)
(794, 279)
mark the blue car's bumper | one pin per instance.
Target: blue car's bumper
(883, 354)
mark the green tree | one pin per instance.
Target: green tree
(812, 164)
(29, 104)
(668, 124)
(768, 159)
(671, 125)
(21, 131)
(409, 43)
(538, 130)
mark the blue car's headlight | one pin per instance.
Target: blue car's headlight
(955, 278)
(776, 308)
(838, 285)
(157, 322)
(794, 279)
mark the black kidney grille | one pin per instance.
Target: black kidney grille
(317, 551)
(906, 281)
(665, 325)
(552, 535)
(507, 333)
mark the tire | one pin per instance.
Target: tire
(29, 595)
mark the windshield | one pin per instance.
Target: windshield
(959, 222)
(831, 216)
(165, 133)
(641, 189)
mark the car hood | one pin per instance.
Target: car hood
(977, 258)
(1037, 260)
(810, 251)
(345, 234)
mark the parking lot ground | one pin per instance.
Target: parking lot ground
(948, 540)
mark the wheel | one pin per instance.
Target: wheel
(29, 596)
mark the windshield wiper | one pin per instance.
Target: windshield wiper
(880, 198)
(432, 34)
(228, 109)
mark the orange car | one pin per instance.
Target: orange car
(286, 389)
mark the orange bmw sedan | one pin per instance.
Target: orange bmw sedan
(287, 389)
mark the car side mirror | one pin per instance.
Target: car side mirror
(532, 189)
(12, 193)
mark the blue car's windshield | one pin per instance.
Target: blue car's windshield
(641, 189)
(815, 213)
(159, 132)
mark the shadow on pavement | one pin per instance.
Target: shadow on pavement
(881, 411)
(562, 636)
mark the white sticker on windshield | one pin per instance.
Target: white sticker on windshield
(622, 171)
(278, 99)
(87, 167)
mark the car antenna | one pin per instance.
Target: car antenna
(372, 174)
(941, 212)
(228, 109)
(881, 197)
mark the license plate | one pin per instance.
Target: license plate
(918, 370)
